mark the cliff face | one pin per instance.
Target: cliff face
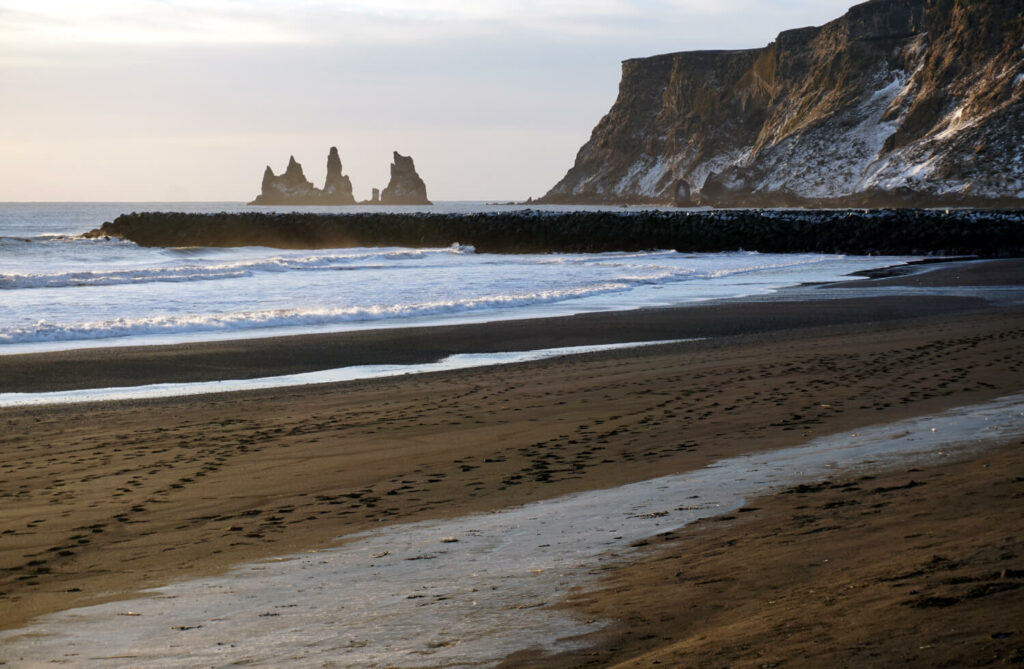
(898, 102)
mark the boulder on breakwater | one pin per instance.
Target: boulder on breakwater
(860, 232)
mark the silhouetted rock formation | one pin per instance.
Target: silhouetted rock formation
(292, 187)
(405, 187)
(896, 103)
(337, 186)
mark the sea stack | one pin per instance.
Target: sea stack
(337, 186)
(406, 186)
(292, 187)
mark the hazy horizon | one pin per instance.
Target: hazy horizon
(148, 100)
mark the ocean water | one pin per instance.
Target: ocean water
(58, 291)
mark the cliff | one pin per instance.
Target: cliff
(292, 187)
(897, 103)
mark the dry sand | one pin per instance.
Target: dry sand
(103, 499)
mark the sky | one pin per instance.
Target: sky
(171, 100)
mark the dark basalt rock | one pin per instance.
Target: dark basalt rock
(293, 188)
(896, 103)
(337, 186)
(846, 231)
(292, 185)
(406, 186)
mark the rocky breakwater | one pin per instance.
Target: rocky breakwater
(897, 103)
(292, 187)
(406, 186)
(987, 233)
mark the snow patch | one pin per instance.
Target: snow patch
(643, 176)
(625, 184)
(831, 159)
(648, 182)
(889, 92)
(721, 162)
(955, 123)
(909, 172)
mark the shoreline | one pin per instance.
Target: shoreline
(323, 377)
(758, 279)
(795, 307)
(279, 356)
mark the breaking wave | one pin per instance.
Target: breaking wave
(241, 321)
(215, 271)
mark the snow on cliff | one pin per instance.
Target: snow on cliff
(897, 102)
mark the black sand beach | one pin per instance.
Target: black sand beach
(106, 498)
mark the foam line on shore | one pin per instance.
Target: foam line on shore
(353, 373)
(469, 590)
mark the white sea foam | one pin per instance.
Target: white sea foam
(277, 318)
(59, 292)
(353, 373)
(378, 286)
(467, 591)
(212, 271)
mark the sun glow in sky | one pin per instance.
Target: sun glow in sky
(185, 100)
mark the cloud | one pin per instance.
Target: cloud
(54, 24)
(493, 98)
(59, 24)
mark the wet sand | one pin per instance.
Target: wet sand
(103, 499)
(921, 567)
(275, 356)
